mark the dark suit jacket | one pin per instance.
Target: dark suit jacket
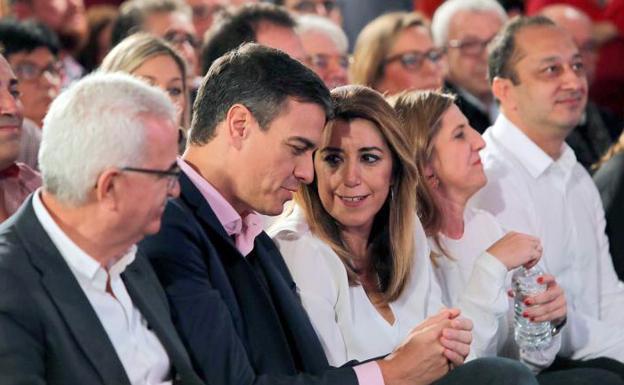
(610, 182)
(240, 317)
(478, 119)
(49, 333)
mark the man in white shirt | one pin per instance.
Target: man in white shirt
(77, 304)
(536, 186)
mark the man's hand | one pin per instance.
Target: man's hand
(425, 355)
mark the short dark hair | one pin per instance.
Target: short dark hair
(239, 27)
(261, 79)
(26, 36)
(503, 48)
(132, 15)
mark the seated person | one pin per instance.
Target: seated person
(472, 253)
(394, 53)
(155, 61)
(17, 180)
(259, 116)
(78, 305)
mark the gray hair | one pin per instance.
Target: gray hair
(443, 16)
(315, 23)
(98, 122)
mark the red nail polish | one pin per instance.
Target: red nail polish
(532, 319)
(540, 280)
(525, 315)
(527, 302)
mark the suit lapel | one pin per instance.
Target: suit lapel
(71, 302)
(146, 298)
(307, 346)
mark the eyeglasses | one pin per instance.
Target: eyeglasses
(413, 60)
(172, 174)
(470, 47)
(322, 61)
(178, 38)
(28, 71)
(309, 6)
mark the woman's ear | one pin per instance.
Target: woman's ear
(430, 177)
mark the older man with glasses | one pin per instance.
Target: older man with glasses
(465, 28)
(78, 304)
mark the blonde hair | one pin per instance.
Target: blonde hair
(391, 242)
(375, 41)
(134, 50)
(420, 113)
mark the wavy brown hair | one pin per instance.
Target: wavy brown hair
(391, 241)
(420, 113)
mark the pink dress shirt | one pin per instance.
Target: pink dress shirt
(244, 231)
(16, 183)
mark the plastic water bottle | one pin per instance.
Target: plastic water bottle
(528, 335)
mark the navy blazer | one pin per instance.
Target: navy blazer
(49, 333)
(240, 329)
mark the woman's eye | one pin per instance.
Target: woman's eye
(174, 91)
(332, 160)
(370, 158)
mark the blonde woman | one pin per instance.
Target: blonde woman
(158, 63)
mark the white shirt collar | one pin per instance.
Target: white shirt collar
(78, 260)
(529, 154)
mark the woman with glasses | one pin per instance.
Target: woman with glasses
(158, 63)
(395, 52)
(352, 241)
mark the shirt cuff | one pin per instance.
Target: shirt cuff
(369, 374)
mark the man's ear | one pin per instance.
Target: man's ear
(238, 122)
(108, 189)
(502, 89)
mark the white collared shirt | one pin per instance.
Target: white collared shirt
(557, 201)
(139, 350)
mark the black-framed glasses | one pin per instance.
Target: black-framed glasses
(310, 6)
(470, 46)
(27, 70)
(413, 60)
(322, 60)
(178, 38)
(171, 174)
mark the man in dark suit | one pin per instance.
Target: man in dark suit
(258, 118)
(77, 304)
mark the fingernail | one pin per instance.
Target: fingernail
(528, 302)
(532, 319)
(525, 315)
(540, 279)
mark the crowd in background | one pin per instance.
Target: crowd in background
(461, 140)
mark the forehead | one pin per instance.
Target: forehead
(355, 133)
(160, 67)
(160, 23)
(539, 43)
(40, 55)
(315, 42)
(6, 73)
(283, 38)
(413, 38)
(474, 23)
(299, 119)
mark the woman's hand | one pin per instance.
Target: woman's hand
(549, 305)
(517, 249)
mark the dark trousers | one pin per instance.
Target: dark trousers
(596, 371)
(489, 371)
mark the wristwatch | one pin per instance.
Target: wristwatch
(556, 328)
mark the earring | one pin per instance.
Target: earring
(435, 182)
(391, 193)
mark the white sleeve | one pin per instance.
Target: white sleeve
(484, 300)
(321, 288)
